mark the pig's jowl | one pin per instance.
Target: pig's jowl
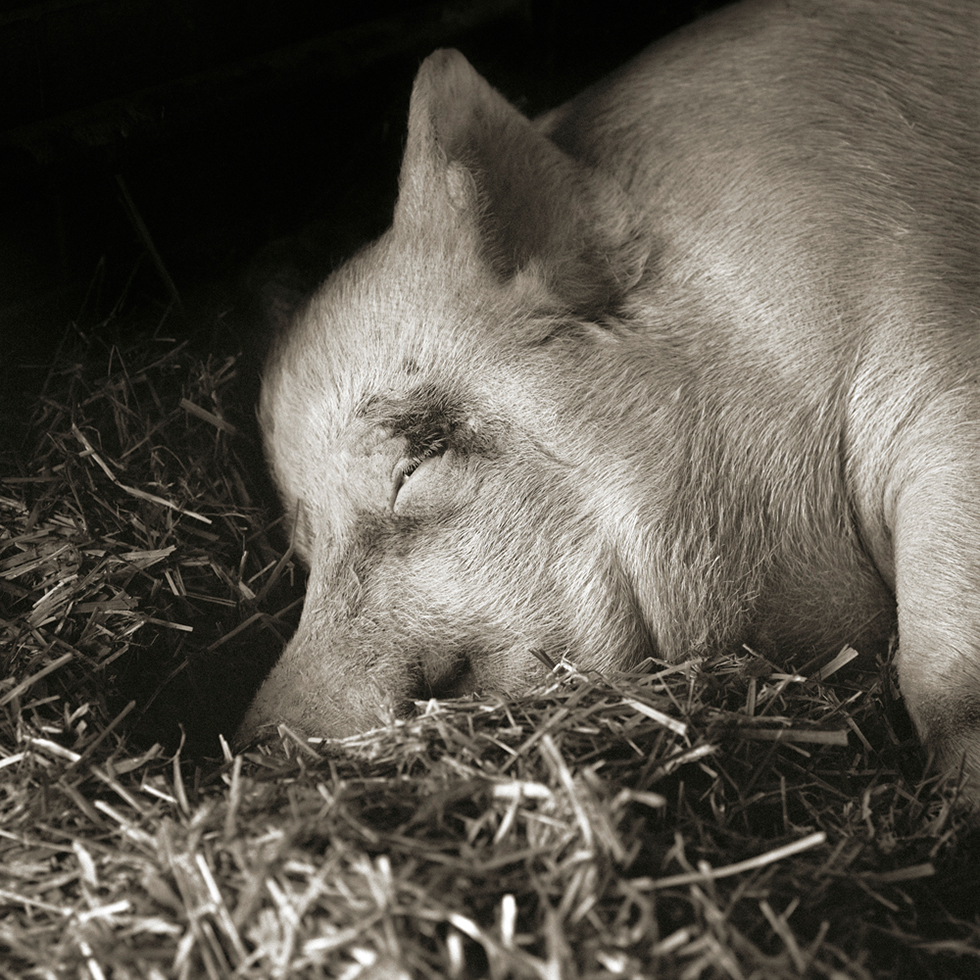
(689, 362)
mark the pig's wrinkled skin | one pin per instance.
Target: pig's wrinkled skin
(691, 361)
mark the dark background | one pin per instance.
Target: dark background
(231, 123)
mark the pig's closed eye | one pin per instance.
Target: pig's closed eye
(406, 467)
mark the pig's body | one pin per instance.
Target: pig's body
(690, 362)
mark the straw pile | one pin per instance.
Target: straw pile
(709, 820)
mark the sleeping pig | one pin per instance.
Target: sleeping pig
(691, 361)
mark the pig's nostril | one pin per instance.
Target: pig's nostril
(445, 677)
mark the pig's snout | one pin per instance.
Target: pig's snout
(334, 687)
(316, 695)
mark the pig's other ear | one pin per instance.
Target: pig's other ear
(475, 169)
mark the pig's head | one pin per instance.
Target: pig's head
(438, 420)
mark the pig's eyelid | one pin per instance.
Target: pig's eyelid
(404, 468)
(397, 479)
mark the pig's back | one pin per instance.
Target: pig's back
(827, 142)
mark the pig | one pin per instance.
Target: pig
(689, 362)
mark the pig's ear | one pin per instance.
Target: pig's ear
(476, 170)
